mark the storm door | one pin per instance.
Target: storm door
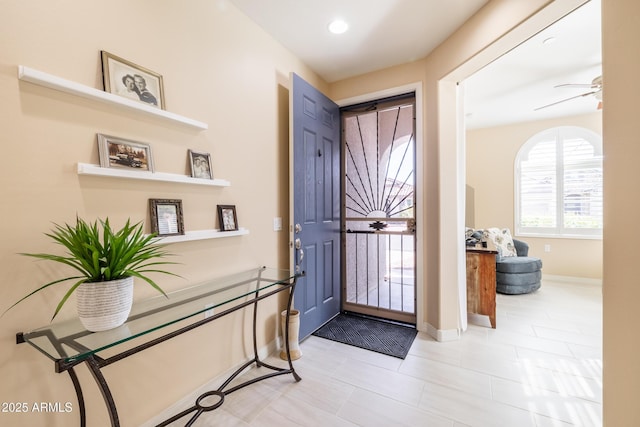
(379, 208)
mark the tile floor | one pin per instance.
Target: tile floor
(541, 367)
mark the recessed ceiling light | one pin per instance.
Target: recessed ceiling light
(338, 26)
(549, 40)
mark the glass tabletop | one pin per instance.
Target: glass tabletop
(69, 340)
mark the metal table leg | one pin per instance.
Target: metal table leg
(94, 367)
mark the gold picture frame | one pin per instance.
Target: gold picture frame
(126, 79)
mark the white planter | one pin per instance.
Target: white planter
(104, 305)
(294, 333)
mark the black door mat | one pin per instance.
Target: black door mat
(376, 335)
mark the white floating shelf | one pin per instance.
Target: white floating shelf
(53, 82)
(202, 235)
(89, 169)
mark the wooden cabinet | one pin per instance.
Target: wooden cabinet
(481, 283)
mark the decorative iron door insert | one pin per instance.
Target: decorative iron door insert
(379, 209)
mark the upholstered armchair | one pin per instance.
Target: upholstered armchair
(516, 271)
(519, 274)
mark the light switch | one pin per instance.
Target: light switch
(277, 224)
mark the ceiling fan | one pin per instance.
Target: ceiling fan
(595, 89)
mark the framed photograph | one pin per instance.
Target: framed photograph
(132, 81)
(166, 217)
(124, 154)
(227, 217)
(200, 165)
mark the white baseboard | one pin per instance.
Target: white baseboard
(571, 279)
(441, 334)
(212, 384)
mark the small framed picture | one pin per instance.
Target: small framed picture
(132, 81)
(200, 165)
(227, 217)
(123, 153)
(166, 217)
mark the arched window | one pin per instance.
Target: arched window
(559, 184)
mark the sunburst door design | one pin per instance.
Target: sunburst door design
(379, 187)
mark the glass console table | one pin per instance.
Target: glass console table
(159, 319)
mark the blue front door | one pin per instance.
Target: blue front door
(316, 204)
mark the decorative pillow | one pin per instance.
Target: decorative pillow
(468, 232)
(473, 237)
(502, 240)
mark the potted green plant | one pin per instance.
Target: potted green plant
(107, 261)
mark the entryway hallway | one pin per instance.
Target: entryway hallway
(541, 367)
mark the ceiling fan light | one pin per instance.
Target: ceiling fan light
(338, 26)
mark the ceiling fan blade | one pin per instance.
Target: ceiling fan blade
(582, 85)
(595, 84)
(565, 100)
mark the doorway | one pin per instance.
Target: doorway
(482, 127)
(378, 209)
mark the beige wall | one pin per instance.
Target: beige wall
(491, 154)
(218, 68)
(621, 290)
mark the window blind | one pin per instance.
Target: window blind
(559, 184)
